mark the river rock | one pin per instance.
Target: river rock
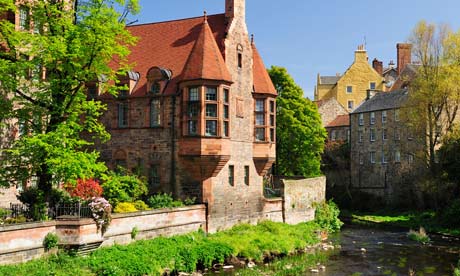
(322, 267)
(251, 264)
(314, 270)
(228, 267)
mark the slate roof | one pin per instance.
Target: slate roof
(383, 100)
(262, 81)
(329, 79)
(205, 60)
(341, 120)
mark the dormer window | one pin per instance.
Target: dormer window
(155, 88)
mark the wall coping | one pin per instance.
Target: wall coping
(274, 199)
(300, 177)
(26, 226)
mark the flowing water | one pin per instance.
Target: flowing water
(371, 251)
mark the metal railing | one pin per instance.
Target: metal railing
(72, 210)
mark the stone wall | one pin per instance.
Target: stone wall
(300, 195)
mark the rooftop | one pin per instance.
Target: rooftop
(383, 100)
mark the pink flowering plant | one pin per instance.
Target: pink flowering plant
(102, 213)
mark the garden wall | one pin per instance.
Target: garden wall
(300, 196)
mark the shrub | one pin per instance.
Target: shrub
(141, 206)
(102, 213)
(50, 241)
(450, 217)
(419, 235)
(163, 201)
(4, 212)
(190, 201)
(327, 216)
(84, 189)
(134, 232)
(35, 200)
(125, 207)
(123, 188)
(18, 219)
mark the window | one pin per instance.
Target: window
(92, 91)
(384, 116)
(384, 158)
(384, 134)
(155, 113)
(349, 89)
(155, 88)
(231, 175)
(360, 136)
(272, 121)
(372, 118)
(194, 94)
(397, 156)
(260, 134)
(123, 111)
(397, 134)
(333, 135)
(24, 18)
(154, 176)
(361, 119)
(272, 106)
(225, 130)
(372, 157)
(260, 120)
(246, 175)
(372, 85)
(226, 96)
(211, 110)
(122, 90)
(272, 135)
(240, 60)
(372, 135)
(350, 104)
(260, 105)
(410, 158)
(226, 123)
(211, 93)
(120, 165)
(211, 128)
(361, 158)
(396, 115)
(192, 127)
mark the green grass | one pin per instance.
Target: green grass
(180, 253)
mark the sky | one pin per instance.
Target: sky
(318, 36)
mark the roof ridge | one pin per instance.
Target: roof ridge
(173, 20)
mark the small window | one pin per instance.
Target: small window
(384, 117)
(272, 106)
(231, 175)
(155, 113)
(372, 85)
(360, 136)
(349, 89)
(211, 93)
(260, 119)
(123, 111)
(372, 118)
(361, 119)
(92, 91)
(155, 88)
(240, 60)
(211, 128)
(372, 135)
(397, 156)
(372, 157)
(260, 106)
(226, 96)
(272, 120)
(384, 134)
(384, 158)
(260, 134)
(226, 112)
(333, 135)
(351, 104)
(211, 110)
(194, 94)
(225, 130)
(192, 127)
(154, 176)
(246, 175)
(272, 135)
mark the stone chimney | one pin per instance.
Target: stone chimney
(361, 54)
(378, 66)
(404, 55)
(370, 93)
(235, 9)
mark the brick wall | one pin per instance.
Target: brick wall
(299, 196)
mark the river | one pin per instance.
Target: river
(371, 251)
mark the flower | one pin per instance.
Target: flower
(101, 211)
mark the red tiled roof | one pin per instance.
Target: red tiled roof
(205, 60)
(262, 81)
(341, 120)
(168, 45)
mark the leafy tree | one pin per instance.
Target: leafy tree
(45, 67)
(300, 135)
(434, 94)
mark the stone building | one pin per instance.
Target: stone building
(339, 129)
(383, 150)
(350, 88)
(329, 110)
(198, 118)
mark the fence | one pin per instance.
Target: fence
(72, 210)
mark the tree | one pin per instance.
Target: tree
(60, 47)
(300, 135)
(434, 94)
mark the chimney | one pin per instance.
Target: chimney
(391, 64)
(404, 55)
(361, 54)
(378, 66)
(370, 93)
(235, 9)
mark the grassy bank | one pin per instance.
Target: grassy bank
(408, 219)
(181, 253)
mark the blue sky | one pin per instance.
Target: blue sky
(318, 36)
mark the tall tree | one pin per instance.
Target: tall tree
(434, 95)
(300, 134)
(58, 47)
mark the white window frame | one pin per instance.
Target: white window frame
(372, 118)
(360, 136)
(346, 89)
(397, 156)
(384, 134)
(384, 159)
(384, 116)
(361, 119)
(372, 157)
(372, 134)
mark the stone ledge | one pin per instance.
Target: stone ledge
(10, 251)
(28, 225)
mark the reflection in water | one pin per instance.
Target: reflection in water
(370, 251)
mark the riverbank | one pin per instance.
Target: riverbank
(406, 220)
(187, 253)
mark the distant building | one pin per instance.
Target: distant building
(383, 149)
(329, 110)
(350, 88)
(339, 129)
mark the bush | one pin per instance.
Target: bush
(125, 207)
(123, 188)
(450, 217)
(327, 216)
(419, 236)
(190, 201)
(4, 212)
(16, 220)
(140, 205)
(35, 200)
(50, 241)
(163, 201)
(84, 189)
